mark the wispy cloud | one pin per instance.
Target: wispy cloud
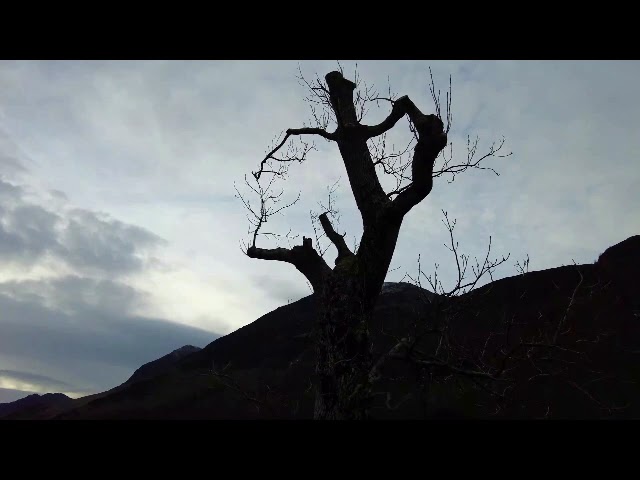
(30, 382)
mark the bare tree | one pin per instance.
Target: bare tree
(347, 292)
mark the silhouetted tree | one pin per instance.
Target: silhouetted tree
(347, 292)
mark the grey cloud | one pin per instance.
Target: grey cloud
(26, 231)
(10, 192)
(32, 220)
(77, 328)
(32, 229)
(89, 241)
(58, 195)
(10, 156)
(94, 348)
(10, 244)
(10, 164)
(95, 241)
(36, 379)
(76, 294)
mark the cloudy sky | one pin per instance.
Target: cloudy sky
(120, 231)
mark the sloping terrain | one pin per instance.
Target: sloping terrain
(559, 343)
(269, 364)
(36, 406)
(161, 365)
(53, 404)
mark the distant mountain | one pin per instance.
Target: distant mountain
(35, 406)
(8, 395)
(265, 369)
(52, 404)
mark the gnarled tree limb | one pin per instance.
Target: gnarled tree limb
(304, 257)
(291, 132)
(336, 238)
(400, 108)
(365, 185)
(431, 140)
(431, 137)
(311, 131)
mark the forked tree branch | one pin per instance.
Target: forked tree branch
(336, 238)
(364, 182)
(400, 108)
(291, 132)
(269, 206)
(304, 257)
(431, 140)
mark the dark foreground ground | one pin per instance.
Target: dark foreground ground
(265, 369)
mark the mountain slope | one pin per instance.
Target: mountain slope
(265, 369)
(53, 404)
(161, 365)
(36, 406)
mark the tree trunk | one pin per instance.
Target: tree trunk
(343, 347)
(345, 308)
